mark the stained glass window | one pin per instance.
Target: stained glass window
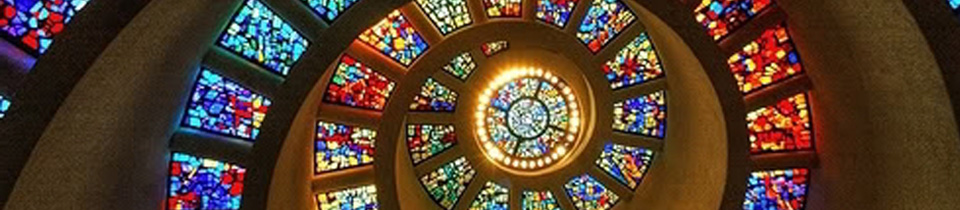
(625, 163)
(955, 4)
(645, 115)
(434, 97)
(769, 59)
(720, 17)
(260, 36)
(635, 64)
(491, 48)
(356, 85)
(425, 141)
(222, 106)
(447, 15)
(588, 194)
(555, 12)
(784, 126)
(447, 183)
(4, 106)
(201, 183)
(502, 8)
(360, 198)
(604, 20)
(538, 200)
(491, 197)
(461, 66)
(777, 189)
(32, 24)
(341, 146)
(329, 9)
(396, 38)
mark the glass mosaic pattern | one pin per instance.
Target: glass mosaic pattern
(329, 10)
(604, 20)
(341, 146)
(720, 17)
(538, 200)
(32, 24)
(434, 97)
(492, 197)
(360, 198)
(425, 140)
(588, 194)
(625, 163)
(492, 48)
(447, 183)
(221, 106)
(447, 15)
(784, 126)
(356, 85)
(395, 37)
(258, 35)
(529, 118)
(461, 66)
(4, 106)
(556, 12)
(201, 183)
(765, 61)
(635, 64)
(645, 115)
(777, 189)
(502, 8)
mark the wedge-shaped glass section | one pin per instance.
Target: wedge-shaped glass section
(32, 24)
(492, 197)
(329, 10)
(777, 189)
(492, 48)
(461, 66)
(447, 183)
(426, 140)
(556, 12)
(356, 85)
(720, 17)
(645, 115)
(780, 127)
(604, 21)
(625, 163)
(202, 183)
(502, 8)
(434, 97)
(770, 59)
(258, 35)
(221, 106)
(538, 200)
(588, 194)
(635, 64)
(447, 15)
(360, 198)
(341, 146)
(395, 37)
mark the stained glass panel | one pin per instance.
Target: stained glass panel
(784, 126)
(767, 60)
(503, 8)
(222, 106)
(491, 48)
(539, 200)
(447, 183)
(720, 17)
(645, 115)
(555, 12)
(329, 9)
(625, 163)
(4, 106)
(491, 197)
(434, 97)
(396, 38)
(447, 15)
(635, 64)
(32, 24)
(201, 183)
(356, 85)
(604, 20)
(425, 141)
(588, 194)
(777, 189)
(341, 146)
(260, 36)
(360, 198)
(461, 66)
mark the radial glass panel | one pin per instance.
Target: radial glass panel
(645, 115)
(32, 24)
(425, 140)
(604, 20)
(434, 97)
(635, 64)
(625, 163)
(492, 197)
(538, 200)
(502, 8)
(360, 198)
(720, 17)
(461, 66)
(447, 183)
(556, 12)
(447, 15)
(356, 85)
(4, 106)
(588, 194)
(258, 35)
(201, 183)
(329, 9)
(341, 146)
(784, 126)
(491, 48)
(777, 189)
(765, 61)
(221, 106)
(395, 37)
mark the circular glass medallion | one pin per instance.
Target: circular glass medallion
(527, 118)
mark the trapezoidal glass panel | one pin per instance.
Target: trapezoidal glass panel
(644, 115)
(259, 36)
(395, 37)
(780, 127)
(359, 198)
(340, 146)
(329, 10)
(32, 24)
(769, 59)
(720, 17)
(202, 183)
(777, 189)
(447, 183)
(604, 21)
(221, 106)
(446, 15)
(426, 140)
(356, 85)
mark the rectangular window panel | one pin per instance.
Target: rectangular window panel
(4, 106)
(329, 9)
(492, 48)
(777, 189)
(425, 141)
(447, 183)
(360, 198)
(589, 194)
(32, 24)
(341, 146)
(720, 17)
(645, 115)
(555, 12)
(769, 59)
(395, 37)
(635, 64)
(538, 200)
(491, 197)
(461, 66)
(201, 183)
(222, 106)
(447, 15)
(502, 8)
(784, 126)
(625, 163)
(434, 97)
(356, 85)
(260, 36)
(604, 20)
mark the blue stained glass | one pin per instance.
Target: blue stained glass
(589, 194)
(625, 163)
(329, 9)
(555, 12)
(604, 20)
(645, 115)
(260, 36)
(777, 189)
(4, 106)
(222, 106)
(201, 183)
(955, 4)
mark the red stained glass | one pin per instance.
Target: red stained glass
(356, 85)
(784, 126)
(767, 60)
